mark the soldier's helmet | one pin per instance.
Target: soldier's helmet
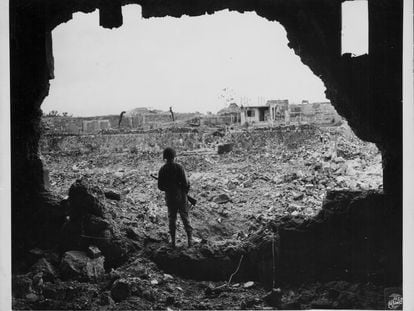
(168, 154)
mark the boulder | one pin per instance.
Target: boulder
(274, 297)
(221, 198)
(120, 290)
(112, 195)
(94, 225)
(94, 252)
(36, 253)
(106, 299)
(224, 148)
(132, 233)
(45, 267)
(248, 284)
(77, 265)
(83, 200)
(298, 196)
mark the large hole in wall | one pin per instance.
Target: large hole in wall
(282, 162)
(279, 172)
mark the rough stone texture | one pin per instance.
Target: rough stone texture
(21, 286)
(120, 290)
(83, 201)
(355, 237)
(46, 268)
(273, 298)
(224, 148)
(71, 295)
(77, 265)
(90, 223)
(94, 252)
(112, 195)
(366, 90)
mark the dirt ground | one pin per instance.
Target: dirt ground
(237, 192)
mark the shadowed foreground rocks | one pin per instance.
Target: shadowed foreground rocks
(90, 223)
(355, 237)
(342, 258)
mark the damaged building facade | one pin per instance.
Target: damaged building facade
(281, 112)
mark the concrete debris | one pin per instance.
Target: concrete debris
(77, 265)
(168, 276)
(244, 181)
(112, 195)
(106, 299)
(46, 268)
(94, 252)
(274, 297)
(248, 284)
(224, 148)
(120, 290)
(221, 198)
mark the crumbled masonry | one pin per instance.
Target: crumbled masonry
(263, 208)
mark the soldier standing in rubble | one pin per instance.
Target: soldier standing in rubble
(172, 180)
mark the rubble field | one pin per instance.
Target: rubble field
(267, 173)
(260, 175)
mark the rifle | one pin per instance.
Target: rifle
(189, 198)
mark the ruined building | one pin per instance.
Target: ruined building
(280, 112)
(365, 90)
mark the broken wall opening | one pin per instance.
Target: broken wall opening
(369, 113)
(302, 198)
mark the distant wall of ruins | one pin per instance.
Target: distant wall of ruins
(182, 141)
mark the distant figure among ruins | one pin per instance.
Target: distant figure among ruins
(173, 181)
(172, 114)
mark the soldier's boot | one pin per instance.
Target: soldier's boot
(172, 234)
(190, 239)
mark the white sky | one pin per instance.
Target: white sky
(355, 27)
(180, 62)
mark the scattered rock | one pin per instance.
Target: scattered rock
(298, 196)
(94, 225)
(38, 281)
(221, 198)
(321, 303)
(44, 266)
(82, 200)
(131, 233)
(21, 286)
(274, 297)
(77, 265)
(120, 290)
(94, 252)
(224, 148)
(170, 300)
(112, 195)
(168, 277)
(249, 303)
(148, 295)
(32, 297)
(106, 299)
(248, 284)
